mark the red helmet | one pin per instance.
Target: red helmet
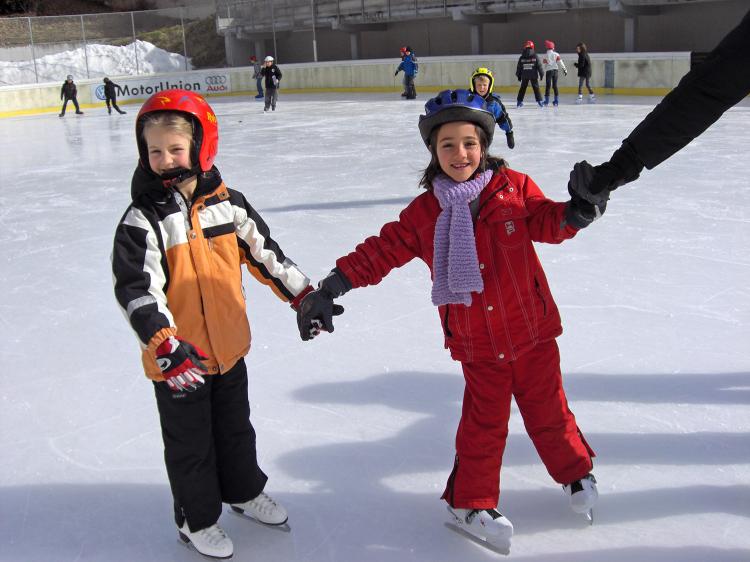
(528, 45)
(197, 111)
(549, 44)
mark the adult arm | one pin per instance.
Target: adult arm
(700, 98)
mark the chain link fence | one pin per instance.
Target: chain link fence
(46, 49)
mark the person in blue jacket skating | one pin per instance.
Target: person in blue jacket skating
(410, 68)
(481, 84)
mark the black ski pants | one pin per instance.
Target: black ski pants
(65, 104)
(534, 85)
(113, 101)
(209, 447)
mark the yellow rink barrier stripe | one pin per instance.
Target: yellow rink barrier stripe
(422, 89)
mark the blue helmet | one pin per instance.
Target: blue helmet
(456, 105)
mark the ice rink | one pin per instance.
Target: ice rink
(356, 428)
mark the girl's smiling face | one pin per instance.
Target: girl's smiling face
(459, 150)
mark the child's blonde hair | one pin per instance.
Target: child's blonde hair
(172, 121)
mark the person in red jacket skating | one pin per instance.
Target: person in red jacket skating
(474, 226)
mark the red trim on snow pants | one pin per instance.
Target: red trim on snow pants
(535, 381)
(209, 447)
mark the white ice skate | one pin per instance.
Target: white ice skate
(211, 541)
(579, 99)
(583, 495)
(487, 527)
(592, 98)
(263, 509)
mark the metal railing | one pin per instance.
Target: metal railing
(46, 49)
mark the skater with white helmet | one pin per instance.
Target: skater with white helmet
(176, 263)
(272, 75)
(474, 227)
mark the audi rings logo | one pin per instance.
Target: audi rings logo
(217, 83)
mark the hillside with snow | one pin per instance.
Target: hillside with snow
(136, 58)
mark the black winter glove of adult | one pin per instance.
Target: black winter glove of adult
(580, 213)
(622, 168)
(395, 73)
(595, 186)
(316, 311)
(509, 138)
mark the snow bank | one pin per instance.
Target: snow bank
(103, 60)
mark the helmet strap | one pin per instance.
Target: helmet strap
(176, 177)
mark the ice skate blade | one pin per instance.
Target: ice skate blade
(283, 527)
(498, 549)
(185, 541)
(590, 516)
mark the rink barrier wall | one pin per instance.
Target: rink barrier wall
(650, 74)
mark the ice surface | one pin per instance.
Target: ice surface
(356, 428)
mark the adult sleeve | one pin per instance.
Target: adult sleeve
(700, 98)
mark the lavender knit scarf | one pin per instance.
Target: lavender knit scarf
(455, 265)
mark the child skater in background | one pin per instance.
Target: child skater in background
(529, 69)
(584, 72)
(474, 226)
(176, 264)
(481, 83)
(551, 61)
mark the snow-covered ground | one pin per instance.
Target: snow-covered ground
(356, 428)
(102, 60)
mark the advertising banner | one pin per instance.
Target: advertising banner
(204, 83)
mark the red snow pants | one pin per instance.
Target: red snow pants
(534, 379)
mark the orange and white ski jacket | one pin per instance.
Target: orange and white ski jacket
(176, 267)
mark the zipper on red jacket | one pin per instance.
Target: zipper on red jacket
(491, 195)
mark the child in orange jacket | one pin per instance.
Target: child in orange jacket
(176, 263)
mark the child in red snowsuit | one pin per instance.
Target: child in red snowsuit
(475, 226)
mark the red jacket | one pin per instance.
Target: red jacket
(516, 310)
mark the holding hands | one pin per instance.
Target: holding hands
(317, 309)
(584, 207)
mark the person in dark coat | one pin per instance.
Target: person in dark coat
(529, 69)
(110, 96)
(584, 72)
(258, 77)
(69, 92)
(700, 98)
(272, 75)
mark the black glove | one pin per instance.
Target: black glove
(395, 73)
(316, 311)
(509, 138)
(622, 168)
(580, 213)
(575, 64)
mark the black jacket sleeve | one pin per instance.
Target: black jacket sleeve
(700, 98)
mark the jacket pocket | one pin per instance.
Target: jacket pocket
(446, 322)
(540, 295)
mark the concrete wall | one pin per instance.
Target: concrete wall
(682, 27)
(645, 73)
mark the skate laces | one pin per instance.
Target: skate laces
(264, 504)
(213, 535)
